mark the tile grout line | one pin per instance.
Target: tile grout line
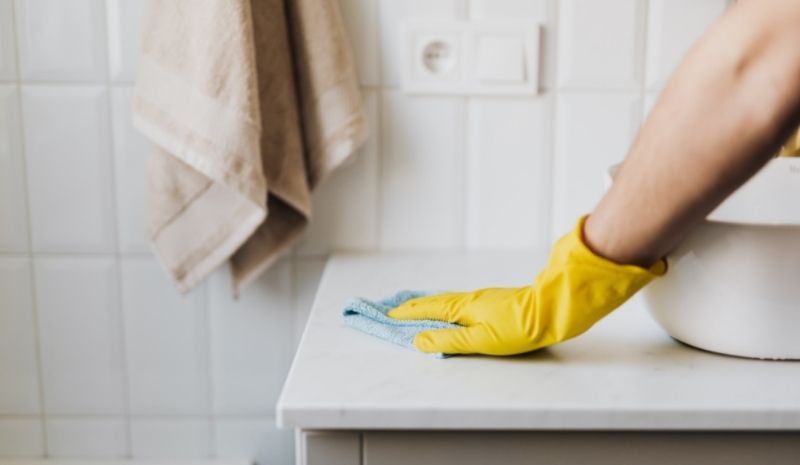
(380, 128)
(112, 165)
(212, 451)
(293, 288)
(81, 254)
(377, 128)
(380, 103)
(552, 127)
(465, 146)
(154, 416)
(373, 87)
(644, 32)
(548, 192)
(42, 415)
(470, 155)
(593, 88)
(377, 135)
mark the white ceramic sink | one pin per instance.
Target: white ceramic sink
(733, 284)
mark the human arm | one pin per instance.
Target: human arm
(730, 104)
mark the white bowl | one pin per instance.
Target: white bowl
(733, 284)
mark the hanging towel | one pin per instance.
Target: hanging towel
(249, 104)
(370, 317)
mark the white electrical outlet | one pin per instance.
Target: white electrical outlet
(436, 57)
(439, 57)
(462, 57)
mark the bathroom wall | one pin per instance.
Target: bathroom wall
(99, 357)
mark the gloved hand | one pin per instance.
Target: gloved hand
(576, 289)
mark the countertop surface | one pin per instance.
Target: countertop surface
(625, 373)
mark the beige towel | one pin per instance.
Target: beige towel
(250, 104)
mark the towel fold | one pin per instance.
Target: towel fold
(249, 104)
(370, 317)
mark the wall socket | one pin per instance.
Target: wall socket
(470, 57)
(438, 57)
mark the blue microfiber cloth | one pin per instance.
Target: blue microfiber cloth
(370, 317)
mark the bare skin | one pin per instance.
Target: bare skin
(727, 109)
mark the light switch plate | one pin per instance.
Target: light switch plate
(500, 58)
(496, 57)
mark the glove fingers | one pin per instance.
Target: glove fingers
(450, 341)
(435, 307)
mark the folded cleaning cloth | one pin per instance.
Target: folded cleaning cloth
(370, 317)
(249, 104)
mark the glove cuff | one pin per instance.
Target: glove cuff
(580, 287)
(582, 252)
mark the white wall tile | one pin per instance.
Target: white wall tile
(19, 379)
(61, 41)
(131, 151)
(392, 14)
(79, 332)
(539, 11)
(124, 22)
(593, 131)
(499, 9)
(21, 437)
(173, 438)
(673, 26)
(165, 340)
(422, 171)
(307, 275)
(252, 340)
(86, 437)
(8, 46)
(361, 20)
(69, 170)
(13, 202)
(345, 206)
(254, 439)
(600, 43)
(508, 173)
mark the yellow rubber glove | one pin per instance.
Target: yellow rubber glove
(576, 289)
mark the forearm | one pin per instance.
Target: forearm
(729, 106)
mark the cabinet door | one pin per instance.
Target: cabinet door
(579, 448)
(327, 448)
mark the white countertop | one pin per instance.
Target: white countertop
(625, 373)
